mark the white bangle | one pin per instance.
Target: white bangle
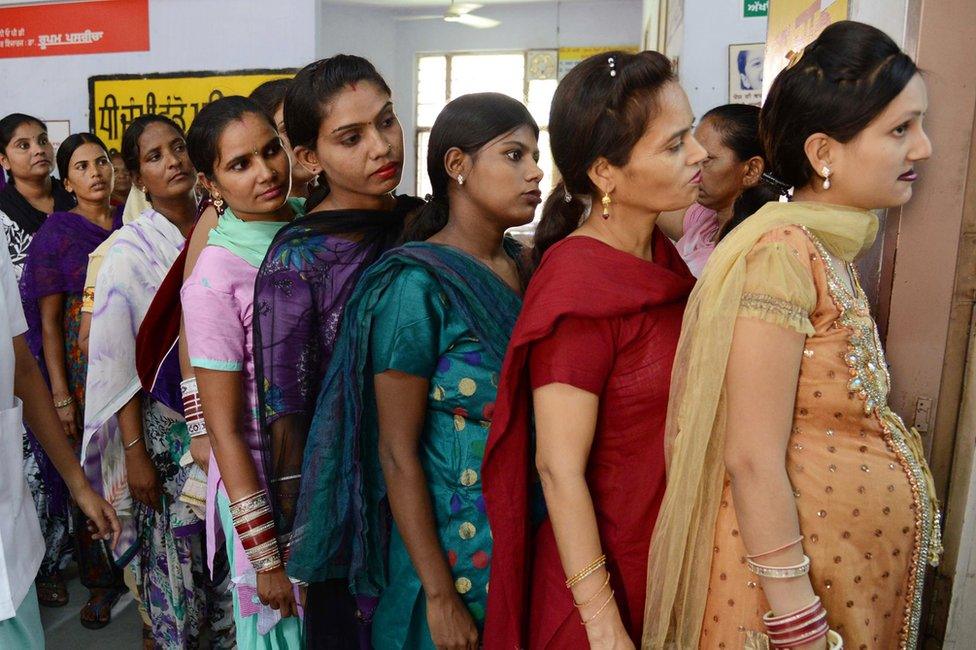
(780, 572)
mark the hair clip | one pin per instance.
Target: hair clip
(610, 62)
(794, 57)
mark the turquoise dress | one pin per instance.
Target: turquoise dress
(415, 331)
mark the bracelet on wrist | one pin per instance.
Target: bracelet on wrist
(129, 445)
(67, 401)
(780, 572)
(254, 523)
(192, 408)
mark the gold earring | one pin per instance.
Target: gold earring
(606, 205)
(218, 204)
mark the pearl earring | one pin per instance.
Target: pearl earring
(825, 172)
(460, 179)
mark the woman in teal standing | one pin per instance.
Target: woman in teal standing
(417, 363)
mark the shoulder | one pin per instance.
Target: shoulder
(218, 269)
(697, 215)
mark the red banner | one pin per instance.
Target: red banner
(88, 27)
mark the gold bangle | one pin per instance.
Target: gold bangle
(593, 597)
(130, 445)
(590, 568)
(67, 401)
(600, 611)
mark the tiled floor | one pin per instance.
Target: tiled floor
(63, 630)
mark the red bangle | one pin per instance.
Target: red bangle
(779, 637)
(796, 642)
(799, 623)
(260, 538)
(248, 525)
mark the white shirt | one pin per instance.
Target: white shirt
(21, 543)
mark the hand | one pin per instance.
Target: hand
(607, 631)
(142, 477)
(277, 592)
(200, 451)
(101, 513)
(450, 622)
(69, 417)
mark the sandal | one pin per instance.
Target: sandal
(97, 612)
(51, 590)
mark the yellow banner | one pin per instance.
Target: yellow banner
(792, 25)
(570, 56)
(114, 101)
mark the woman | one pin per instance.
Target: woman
(734, 168)
(271, 97)
(24, 397)
(595, 339)
(794, 492)
(243, 165)
(30, 194)
(52, 286)
(309, 273)
(418, 353)
(134, 441)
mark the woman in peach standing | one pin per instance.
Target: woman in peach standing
(800, 511)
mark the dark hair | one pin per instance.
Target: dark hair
(467, 123)
(842, 81)
(68, 148)
(270, 95)
(11, 123)
(312, 89)
(738, 126)
(210, 122)
(598, 110)
(742, 59)
(130, 139)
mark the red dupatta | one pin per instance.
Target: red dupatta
(581, 277)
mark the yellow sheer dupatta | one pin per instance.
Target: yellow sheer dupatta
(681, 547)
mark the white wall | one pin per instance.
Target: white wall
(184, 35)
(393, 45)
(710, 26)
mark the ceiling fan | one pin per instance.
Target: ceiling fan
(459, 12)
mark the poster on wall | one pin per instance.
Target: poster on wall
(570, 56)
(746, 73)
(84, 27)
(793, 24)
(115, 100)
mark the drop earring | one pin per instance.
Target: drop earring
(825, 172)
(218, 204)
(606, 205)
(460, 179)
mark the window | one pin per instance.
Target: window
(443, 77)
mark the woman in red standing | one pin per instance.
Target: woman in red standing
(590, 361)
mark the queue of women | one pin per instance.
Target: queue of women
(333, 416)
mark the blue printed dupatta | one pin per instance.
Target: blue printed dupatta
(342, 521)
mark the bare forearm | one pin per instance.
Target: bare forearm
(766, 513)
(414, 516)
(570, 507)
(221, 394)
(40, 416)
(52, 338)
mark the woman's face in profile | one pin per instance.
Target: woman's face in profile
(877, 168)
